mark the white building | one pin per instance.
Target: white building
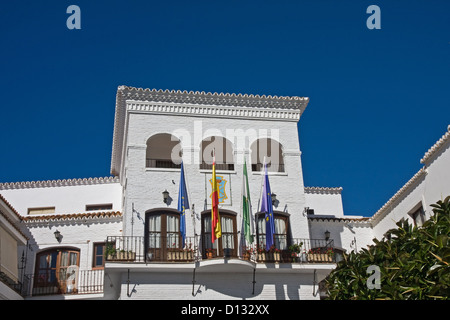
(11, 237)
(119, 237)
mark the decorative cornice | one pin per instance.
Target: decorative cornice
(73, 216)
(323, 190)
(437, 146)
(213, 111)
(57, 183)
(216, 99)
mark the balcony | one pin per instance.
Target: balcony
(169, 249)
(156, 248)
(75, 282)
(299, 251)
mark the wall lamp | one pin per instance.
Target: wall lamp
(327, 235)
(58, 236)
(274, 198)
(165, 196)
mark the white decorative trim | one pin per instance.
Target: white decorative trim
(292, 153)
(323, 190)
(436, 146)
(213, 111)
(360, 220)
(57, 183)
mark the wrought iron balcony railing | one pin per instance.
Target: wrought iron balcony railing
(157, 163)
(150, 249)
(219, 166)
(156, 248)
(274, 167)
(51, 282)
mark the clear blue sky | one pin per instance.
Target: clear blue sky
(378, 98)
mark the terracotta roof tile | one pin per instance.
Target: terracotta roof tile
(68, 216)
(11, 207)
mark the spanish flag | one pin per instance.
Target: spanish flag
(216, 230)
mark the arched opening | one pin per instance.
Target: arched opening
(56, 271)
(271, 150)
(224, 153)
(163, 151)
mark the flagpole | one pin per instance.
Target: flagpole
(261, 189)
(217, 245)
(245, 191)
(252, 216)
(242, 210)
(216, 242)
(217, 239)
(132, 219)
(190, 197)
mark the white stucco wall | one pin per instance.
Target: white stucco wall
(346, 234)
(325, 201)
(66, 198)
(271, 282)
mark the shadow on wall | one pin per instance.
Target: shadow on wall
(239, 285)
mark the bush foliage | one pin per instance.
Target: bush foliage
(413, 263)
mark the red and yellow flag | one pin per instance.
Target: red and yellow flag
(216, 230)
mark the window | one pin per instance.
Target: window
(280, 237)
(56, 270)
(163, 151)
(418, 217)
(224, 153)
(44, 210)
(98, 207)
(162, 234)
(270, 149)
(227, 242)
(99, 255)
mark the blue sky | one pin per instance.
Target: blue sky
(378, 98)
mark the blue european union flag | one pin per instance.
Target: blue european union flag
(266, 207)
(183, 204)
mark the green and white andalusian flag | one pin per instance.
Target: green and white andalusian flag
(246, 206)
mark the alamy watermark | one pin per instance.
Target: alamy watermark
(74, 20)
(374, 20)
(373, 281)
(198, 145)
